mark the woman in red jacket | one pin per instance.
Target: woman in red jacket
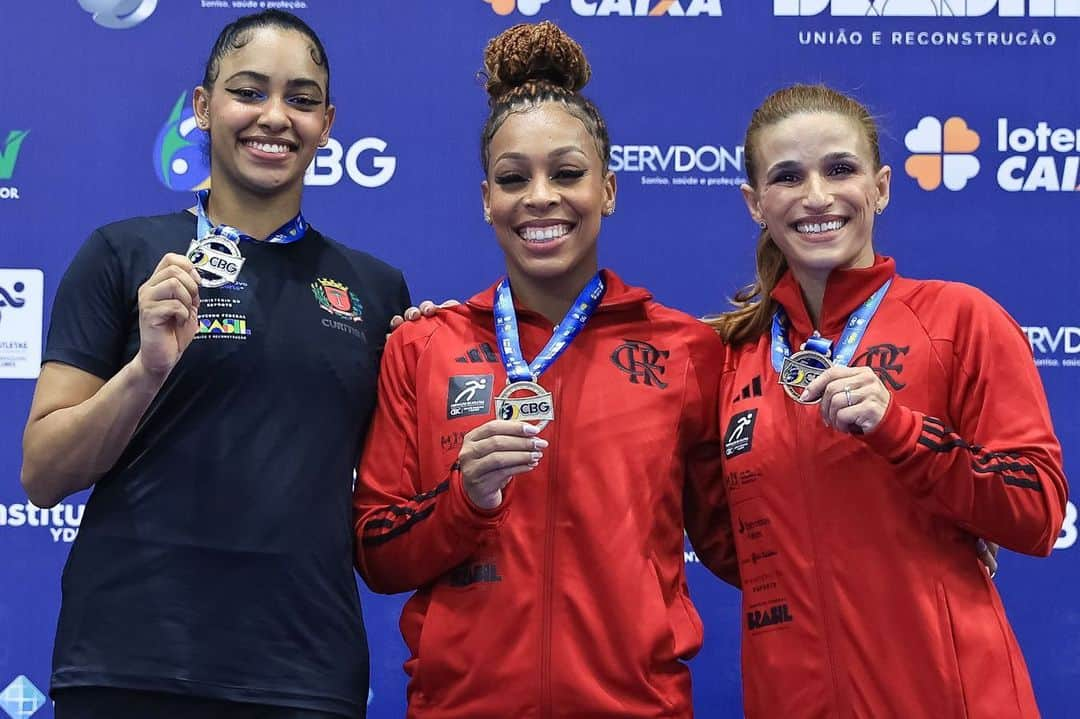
(536, 508)
(873, 441)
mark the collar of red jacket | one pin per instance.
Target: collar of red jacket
(617, 295)
(845, 290)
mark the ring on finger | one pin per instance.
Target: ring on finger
(847, 395)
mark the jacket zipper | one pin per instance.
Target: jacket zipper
(549, 568)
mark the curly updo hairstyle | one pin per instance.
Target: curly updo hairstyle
(530, 64)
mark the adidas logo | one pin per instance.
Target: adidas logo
(751, 390)
(481, 353)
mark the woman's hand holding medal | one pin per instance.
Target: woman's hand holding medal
(168, 314)
(493, 453)
(853, 399)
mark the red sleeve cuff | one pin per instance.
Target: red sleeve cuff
(478, 517)
(896, 433)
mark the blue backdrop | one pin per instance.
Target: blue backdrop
(976, 98)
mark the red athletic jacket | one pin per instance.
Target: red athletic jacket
(570, 599)
(862, 592)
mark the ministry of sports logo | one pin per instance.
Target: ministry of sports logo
(942, 153)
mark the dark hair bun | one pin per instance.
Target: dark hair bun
(528, 53)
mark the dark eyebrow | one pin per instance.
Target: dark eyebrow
(557, 152)
(835, 156)
(298, 82)
(785, 165)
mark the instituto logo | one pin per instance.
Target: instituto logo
(119, 14)
(624, 8)
(9, 155)
(928, 8)
(942, 153)
(62, 521)
(1037, 157)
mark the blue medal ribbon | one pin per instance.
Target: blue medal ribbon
(506, 330)
(291, 231)
(849, 340)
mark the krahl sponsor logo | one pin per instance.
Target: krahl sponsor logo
(1054, 346)
(928, 8)
(623, 8)
(119, 14)
(771, 617)
(21, 699)
(62, 521)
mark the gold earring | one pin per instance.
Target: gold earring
(609, 211)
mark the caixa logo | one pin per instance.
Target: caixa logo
(928, 8)
(1033, 157)
(365, 162)
(62, 521)
(624, 8)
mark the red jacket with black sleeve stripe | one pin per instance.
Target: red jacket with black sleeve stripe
(569, 599)
(862, 592)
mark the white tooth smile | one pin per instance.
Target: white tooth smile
(267, 147)
(816, 228)
(543, 234)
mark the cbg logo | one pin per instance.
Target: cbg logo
(178, 155)
(624, 8)
(928, 8)
(181, 165)
(326, 168)
(119, 14)
(9, 155)
(943, 154)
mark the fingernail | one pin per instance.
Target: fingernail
(536, 456)
(529, 429)
(539, 443)
(534, 464)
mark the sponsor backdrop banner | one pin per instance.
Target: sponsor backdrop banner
(981, 123)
